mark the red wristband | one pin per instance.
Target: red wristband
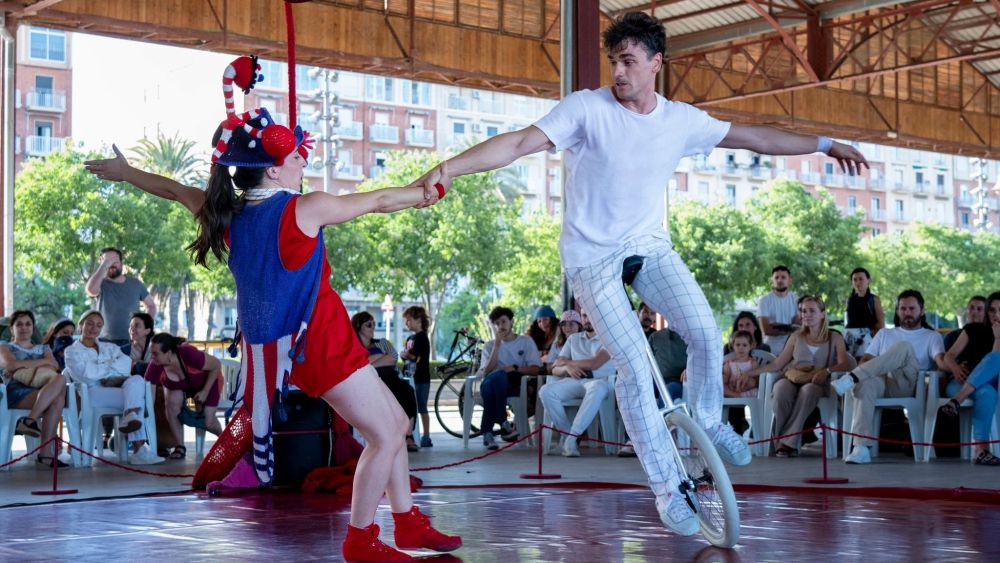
(440, 188)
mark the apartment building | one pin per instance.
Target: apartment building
(43, 93)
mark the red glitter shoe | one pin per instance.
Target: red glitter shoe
(363, 546)
(414, 531)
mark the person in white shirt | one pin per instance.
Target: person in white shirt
(506, 359)
(622, 144)
(105, 370)
(778, 311)
(890, 367)
(582, 371)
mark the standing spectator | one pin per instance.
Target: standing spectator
(813, 352)
(105, 371)
(585, 369)
(43, 398)
(974, 363)
(671, 356)
(747, 321)
(864, 314)
(890, 367)
(647, 319)
(117, 296)
(58, 337)
(542, 331)
(570, 323)
(185, 372)
(507, 358)
(140, 336)
(975, 312)
(418, 363)
(778, 310)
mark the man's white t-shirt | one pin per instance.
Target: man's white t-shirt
(581, 347)
(520, 352)
(926, 343)
(618, 165)
(778, 310)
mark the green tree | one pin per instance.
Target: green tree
(65, 216)
(725, 249)
(423, 254)
(535, 275)
(807, 233)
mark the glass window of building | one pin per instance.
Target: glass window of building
(416, 93)
(273, 73)
(47, 44)
(379, 88)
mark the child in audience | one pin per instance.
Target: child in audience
(737, 363)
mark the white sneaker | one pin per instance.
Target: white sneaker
(144, 456)
(131, 423)
(843, 385)
(489, 441)
(732, 449)
(627, 450)
(859, 456)
(676, 514)
(555, 447)
(570, 448)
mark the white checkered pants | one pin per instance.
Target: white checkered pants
(668, 287)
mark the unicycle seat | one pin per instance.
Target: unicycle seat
(630, 268)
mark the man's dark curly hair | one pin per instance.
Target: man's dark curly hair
(639, 27)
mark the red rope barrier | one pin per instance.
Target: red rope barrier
(125, 467)
(28, 454)
(479, 457)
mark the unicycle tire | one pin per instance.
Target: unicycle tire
(707, 483)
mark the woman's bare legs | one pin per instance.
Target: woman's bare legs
(47, 403)
(366, 403)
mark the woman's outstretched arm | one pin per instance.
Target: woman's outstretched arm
(119, 170)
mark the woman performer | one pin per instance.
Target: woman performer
(274, 241)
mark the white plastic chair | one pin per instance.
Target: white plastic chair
(519, 405)
(8, 424)
(90, 423)
(759, 406)
(935, 401)
(914, 406)
(606, 419)
(829, 413)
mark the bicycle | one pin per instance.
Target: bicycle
(457, 372)
(706, 485)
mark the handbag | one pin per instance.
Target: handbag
(804, 374)
(34, 377)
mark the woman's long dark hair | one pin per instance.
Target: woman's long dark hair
(221, 203)
(50, 335)
(147, 322)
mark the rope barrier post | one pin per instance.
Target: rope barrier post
(825, 479)
(540, 475)
(55, 473)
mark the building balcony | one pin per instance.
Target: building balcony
(382, 133)
(42, 146)
(856, 182)
(350, 172)
(308, 123)
(877, 215)
(900, 187)
(376, 171)
(847, 211)
(732, 170)
(419, 137)
(760, 173)
(458, 102)
(704, 168)
(966, 200)
(900, 217)
(811, 178)
(491, 106)
(352, 130)
(941, 193)
(877, 184)
(833, 180)
(45, 100)
(788, 174)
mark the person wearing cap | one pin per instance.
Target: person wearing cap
(105, 370)
(569, 323)
(583, 367)
(543, 329)
(294, 327)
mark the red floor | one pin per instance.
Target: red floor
(503, 525)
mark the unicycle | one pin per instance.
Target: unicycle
(706, 483)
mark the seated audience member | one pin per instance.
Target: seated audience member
(974, 363)
(382, 356)
(506, 359)
(542, 330)
(864, 314)
(737, 365)
(975, 312)
(748, 322)
(647, 319)
(34, 383)
(670, 352)
(583, 369)
(105, 371)
(812, 353)
(890, 367)
(185, 372)
(58, 338)
(570, 323)
(417, 355)
(140, 337)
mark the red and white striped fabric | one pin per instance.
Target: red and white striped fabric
(266, 367)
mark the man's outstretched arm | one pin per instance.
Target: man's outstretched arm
(771, 140)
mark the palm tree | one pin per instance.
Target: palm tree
(172, 157)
